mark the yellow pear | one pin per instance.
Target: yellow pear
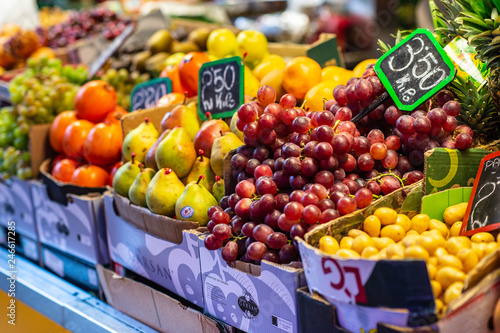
(220, 148)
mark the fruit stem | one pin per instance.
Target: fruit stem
(221, 134)
(141, 166)
(336, 124)
(376, 197)
(217, 178)
(167, 171)
(200, 154)
(146, 120)
(396, 176)
(303, 104)
(208, 115)
(132, 157)
(185, 98)
(199, 179)
(245, 55)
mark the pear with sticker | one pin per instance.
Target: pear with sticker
(194, 203)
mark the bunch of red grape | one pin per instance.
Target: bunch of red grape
(300, 168)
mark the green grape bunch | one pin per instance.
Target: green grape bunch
(124, 82)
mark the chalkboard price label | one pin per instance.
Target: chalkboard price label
(415, 70)
(146, 94)
(221, 87)
(483, 210)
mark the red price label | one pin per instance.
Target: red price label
(343, 277)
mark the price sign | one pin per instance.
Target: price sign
(221, 87)
(326, 53)
(415, 69)
(112, 48)
(483, 210)
(145, 95)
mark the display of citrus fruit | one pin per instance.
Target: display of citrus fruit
(94, 100)
(301, 74)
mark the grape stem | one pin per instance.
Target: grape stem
(237, 238)
(336, 124)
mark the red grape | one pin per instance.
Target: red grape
(256, 250)
(212, 210)
(297, 182)
(298, 230)
(390, 161)
(309, 199)
(267, 120)
(212, 243)
(277, 240)
(318, 189)
(351, 184)
(361, 145)
(242, 208)
(266, 95)
(340, 145)
(350, 164)
(291, 166)
(404, 124)
(220, 217)
(247, 113)
(422, 125)
(329, 215)
(266, 185)
(230, 251)
(261, 171)
(339, 95)
(309, 167)
(324, 133)
(374, 187)
(261, 232)
(350, 93)
(326, 204)
(378, 151)
(222, 231)
(245, 189)
(363, 197)
(389, 184)
(293, 210)
(290, 150)
(392, 142)
(210, 225)
(344, 113)
(288, 101)
(450, 124)
(452, 108)
(463, 141)
(271, 219)
(285, 224)
(444, 96)
(392, 114)
(375, 136)
(325, 118)
(301, 125)
(288, 116)
(437, 116)
(324, 178)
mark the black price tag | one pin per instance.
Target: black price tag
(415, 70)
(146, 94)
(483, 211)
(221, 87)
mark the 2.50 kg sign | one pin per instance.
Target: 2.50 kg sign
(415, 69)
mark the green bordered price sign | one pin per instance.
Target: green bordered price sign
(221, 85)
(146, 94)
(415, 70)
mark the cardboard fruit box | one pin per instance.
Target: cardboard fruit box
(369, 285)
(250, 297)
(159, 248)
(154, 308)
(76, 228)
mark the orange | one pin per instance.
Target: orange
(90, 176)
(272, 62)
(169, 99)
(172, 72)
(318, 95)
(188, 71)
(94, 100)
(63, 170)
(114, 116)
(74, 138)
(103, 145)
(301, 74)
(58, 127)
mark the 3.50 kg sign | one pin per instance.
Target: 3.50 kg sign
(415, 69)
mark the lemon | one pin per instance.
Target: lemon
(386, 215)
(479, 249)
(369, 251)
(436, 288)
(412, 232)
(371, 226)
(221, 42)
(410, 240)
(453, 291)
(395, 251)
(433, 261)
(482, 237)
(356, 233)
(431, 270)
(337, 74)
(490, 247)
(455, 228)
(420, 223)
(429, 243)
(438, 238)
(346, 242)
(382, 242)
(469, 259)
(440, 226)
(450, 260)
(447, 275)
(457, 243)
(440, 251)
(318, 94)
(403, 221)
(416, 252)
(267, 65)
(328, 244)
(394, 232)
(361, 67)
(348, 253)
(455, 213)
(361, 242)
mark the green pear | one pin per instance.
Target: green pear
(139, 140)
(150, 160)
(218, 188)
(182, 116)
(234, 128)
(194, 203)
(137, 191)
(125, 176)
(220, 148)
(202, 167)
(177, 152)
(163, 191)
